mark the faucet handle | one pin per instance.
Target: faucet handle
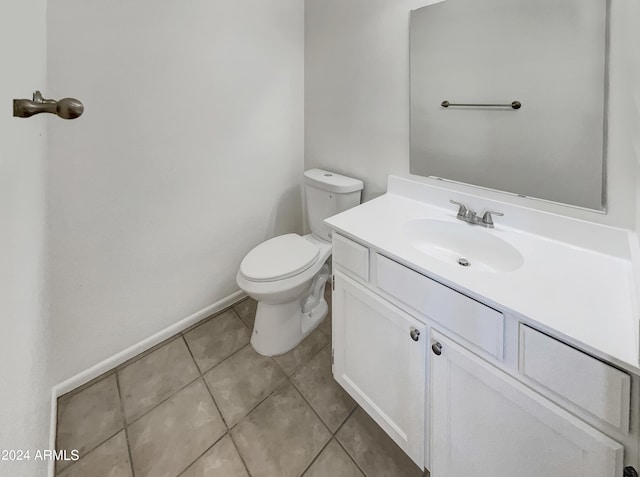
(462, 209)
(487, 219)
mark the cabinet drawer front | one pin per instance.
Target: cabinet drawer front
(598, 388)
(480, 325)
(351, 256)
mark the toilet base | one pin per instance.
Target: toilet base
(280, 328)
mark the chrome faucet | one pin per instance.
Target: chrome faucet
(467, 215)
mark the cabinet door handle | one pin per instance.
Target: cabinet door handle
(436, 348)
(415, 334)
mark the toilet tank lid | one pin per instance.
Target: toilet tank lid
(332, 182)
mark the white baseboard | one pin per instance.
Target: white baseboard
(53, 425)
(119, 358)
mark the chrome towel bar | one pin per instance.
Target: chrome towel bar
(514, 105)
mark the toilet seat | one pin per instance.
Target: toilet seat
(281, 257)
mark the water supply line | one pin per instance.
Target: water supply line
(316, 290)
(314, 308)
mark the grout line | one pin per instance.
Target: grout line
(224, 421)
(193, 358)
(343, 447)
(347, 418)
(202, 373)
(316, 457)
(250, 328)
(277, 388)
(200, 376)
(124, 420)
(240, 454)
(129, 424)
(309, 404)
(70, 394)
(331, 434)
(172, 395)
(145, 353)
(351, 457)
(300, 365)
(281, 386)
(201, 455)
(208, 318)
(59, 471)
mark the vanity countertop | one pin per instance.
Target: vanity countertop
(576, 280)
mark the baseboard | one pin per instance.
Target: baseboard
(53, 425)
(119, 358)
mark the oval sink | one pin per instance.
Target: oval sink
(462, 245)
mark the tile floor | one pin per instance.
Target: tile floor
(204, 403)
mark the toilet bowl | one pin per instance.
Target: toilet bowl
(280, 321)
(286, 275)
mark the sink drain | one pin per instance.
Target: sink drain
(463, 262)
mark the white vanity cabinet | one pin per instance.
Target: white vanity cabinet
(379, 358)
(485, 423)
(450, 381)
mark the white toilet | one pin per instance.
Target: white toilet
(286, 275)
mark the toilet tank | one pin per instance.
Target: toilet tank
(327, 194)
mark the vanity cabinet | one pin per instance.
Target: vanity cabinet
(464, 389)
(485, 423)
(379, 358)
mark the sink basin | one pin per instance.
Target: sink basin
(462, 245)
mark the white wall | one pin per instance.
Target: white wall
(188, 154)
(24, 386)
(357, 100)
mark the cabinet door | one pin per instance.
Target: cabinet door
(487, 424)
(379, 358)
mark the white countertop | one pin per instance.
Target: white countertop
(583, 292)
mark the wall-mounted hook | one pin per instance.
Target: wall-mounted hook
(67, 108)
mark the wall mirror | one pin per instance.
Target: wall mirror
(482, 56)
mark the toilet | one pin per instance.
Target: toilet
(286, 274)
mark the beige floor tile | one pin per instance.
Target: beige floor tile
(216, 339)
(110, 459)
(302, 353)
(373, 450)
(89, 418)
(222, 460)
(173, 435)
(333, 461)
(281, 436)
(315, 382)
(246, 309)
(86, 385)
(148, 351)
(150, 380)
(241, 382)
